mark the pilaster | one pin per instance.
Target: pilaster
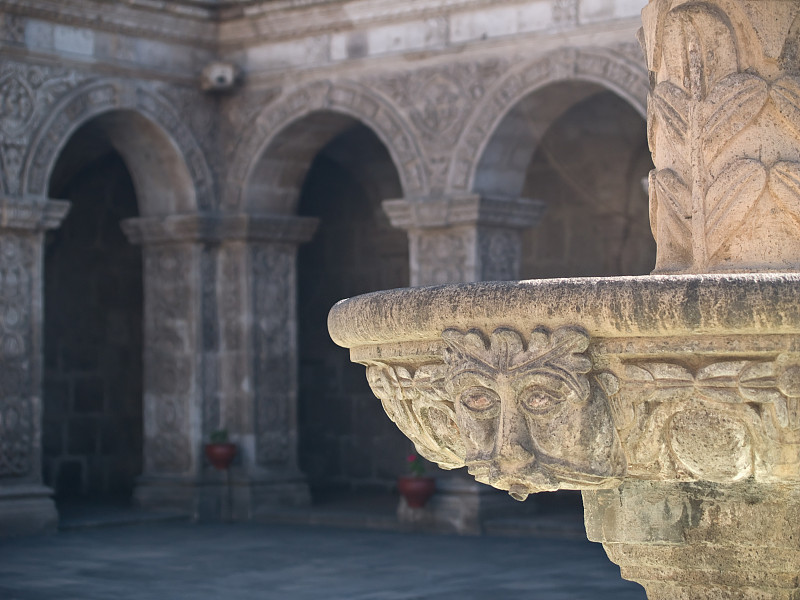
(26, 505)
(220, 353)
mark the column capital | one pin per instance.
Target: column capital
(216, 228)
(467, 209)
(32, 213)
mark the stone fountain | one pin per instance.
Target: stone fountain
(671, 400)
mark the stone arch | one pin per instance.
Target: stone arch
(167, 165)
(328, 108)
(602, 67)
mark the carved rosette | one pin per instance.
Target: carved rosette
(723, 123)
(533, 413)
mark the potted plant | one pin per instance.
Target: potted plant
(219, 450)
(416, 488)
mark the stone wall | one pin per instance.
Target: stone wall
(92, 430)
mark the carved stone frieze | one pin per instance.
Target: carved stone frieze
(724, 421)
(417, 402)
(528, 414)
(724, 116)
(464, 237)
(565, 12)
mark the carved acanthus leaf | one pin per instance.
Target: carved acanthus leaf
(673, 194)
(699, 47)
(731, 106)
(670, 106)
(784, 184)
(785, 93)
(730, 198)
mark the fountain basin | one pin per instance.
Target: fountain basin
(584, 383)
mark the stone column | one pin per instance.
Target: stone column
(464, 238)
(451, 240)
(220, 353)
(724, 130)
(26, 505)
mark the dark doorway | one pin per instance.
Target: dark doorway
(346, 440)
(92, 426)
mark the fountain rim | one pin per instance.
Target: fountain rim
(606, 307)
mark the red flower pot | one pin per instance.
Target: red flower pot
(220, 455)
(416, 490)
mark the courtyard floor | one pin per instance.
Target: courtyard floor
(180, 560)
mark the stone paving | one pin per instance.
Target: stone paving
(177, 561)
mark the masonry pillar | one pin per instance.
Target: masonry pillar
(457, 239)
(257, 295)
(460, 239)
(220, 353)
(26, 505)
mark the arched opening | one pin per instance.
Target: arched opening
(92, 424)
(345, 440)
(115, 166)
(582, 150)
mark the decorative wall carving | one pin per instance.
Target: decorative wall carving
(17, 427)
(72, 101)
(438, 101)
(716, 98)
(565, 12)
(169, 357)
(275, 352)
(27, 93)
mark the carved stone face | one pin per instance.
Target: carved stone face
(529, 419)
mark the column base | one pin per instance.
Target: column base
(216, 498)
(27, 509)
(701, 541)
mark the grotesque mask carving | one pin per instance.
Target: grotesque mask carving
(529, 417)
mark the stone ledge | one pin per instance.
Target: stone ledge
(32, 213)
(174, 229)
(515, 213)
(608, 307)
